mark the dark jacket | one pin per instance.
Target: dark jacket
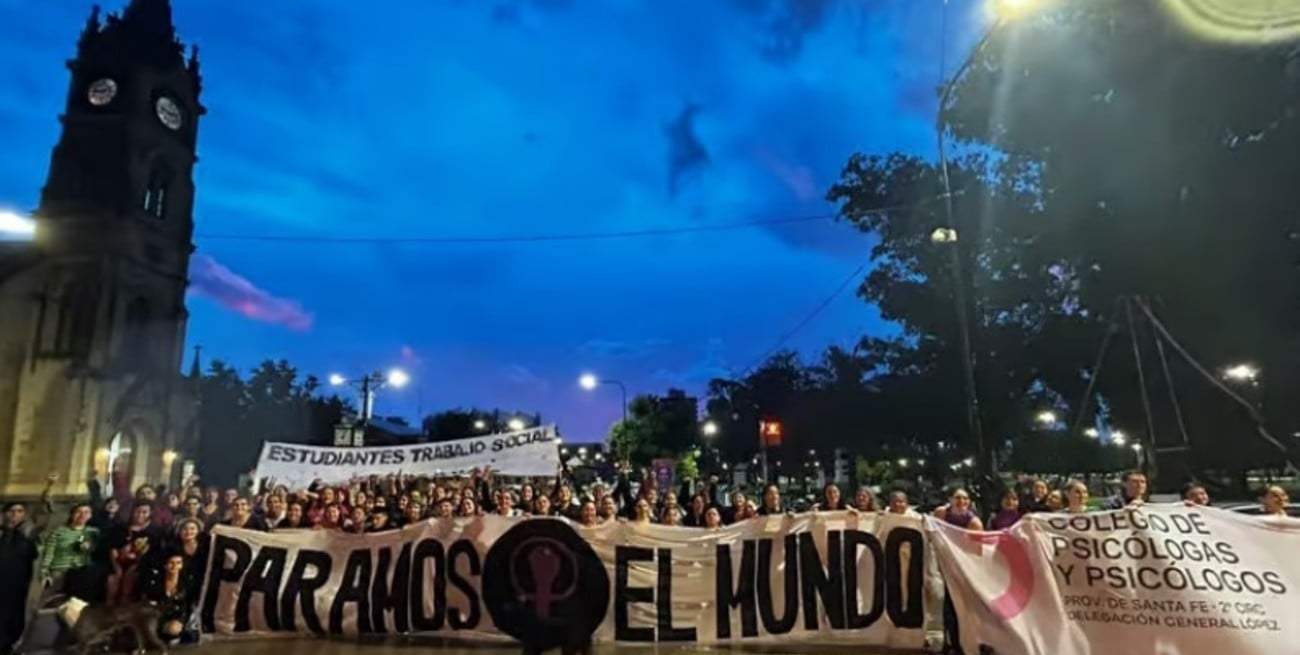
(17, 560)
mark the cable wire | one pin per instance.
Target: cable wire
(572, 236)
(525, 238)
(807, 319)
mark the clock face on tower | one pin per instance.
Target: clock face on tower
(101, 92)
(169, 114)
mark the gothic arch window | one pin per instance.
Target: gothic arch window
(135, 338)
(156, 192)
(75, 324)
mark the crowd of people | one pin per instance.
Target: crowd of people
(150, 543)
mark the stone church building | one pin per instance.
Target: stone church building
(92, 310)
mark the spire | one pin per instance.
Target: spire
(150, 16)
(146, 25)
(91, 29)
(193, 68)
(196, 369)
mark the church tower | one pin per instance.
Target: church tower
(92, 312)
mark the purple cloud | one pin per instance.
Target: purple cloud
(212, 280)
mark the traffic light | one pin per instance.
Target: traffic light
(770, 432)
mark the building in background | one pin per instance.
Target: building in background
(92, 311)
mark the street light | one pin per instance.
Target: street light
(1004, 11)
(480, 424)
(368, 385)
(1046, 418)
(516, 424)
(14, 224)
(589, 381)
(1091, 433)
(1243, 372)
(1117, 438)
(398, 378)
(944, 235)
(709, 428)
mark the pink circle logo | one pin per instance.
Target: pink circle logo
(1020, 589)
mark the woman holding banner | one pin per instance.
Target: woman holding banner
(958, 512)
(1274, 501)
(1076, 494)
(1009, 514)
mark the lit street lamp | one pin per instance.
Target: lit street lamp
(1247, 373)
(480, 425)
(369, 384)
(14, 224)
(1117, 438)
(516, 424)
(1003, 11)
(1091, 433)
(709, 429)
(1047, 418)
(589, 381)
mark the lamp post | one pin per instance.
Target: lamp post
(368, 386)
(15, 225)
(1003, 11)
(589, 381)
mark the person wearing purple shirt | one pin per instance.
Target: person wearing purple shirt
(957, 512)
(1009, 513)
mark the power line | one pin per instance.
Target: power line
(808, 318)
(572, 236)
(530, 238)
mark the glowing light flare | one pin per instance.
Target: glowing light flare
(944, 235)
(1241, 372)
(337, 380)
(1013, 9)
(517, 424)
(397, 378)
(588, 381)
(15, 224)
(1239, 22)
(709, 428)
(1046, 418)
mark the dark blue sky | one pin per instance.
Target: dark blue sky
(501, 118)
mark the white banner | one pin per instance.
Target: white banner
(1157, 579)
(826, 577)
(531, 452)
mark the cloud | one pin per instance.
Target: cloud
(622, 348)
(797, 177)
(698, 374)
(212, 280)
(341, 122)
(521, 375)
(410, 357)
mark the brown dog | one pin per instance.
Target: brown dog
(98, 624)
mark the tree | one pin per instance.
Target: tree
(629, 441)
(1019, 308)
(275, 403)
(462, 423)
(657, 426)
(688, 466)
(1163, 169)
(867, 473)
